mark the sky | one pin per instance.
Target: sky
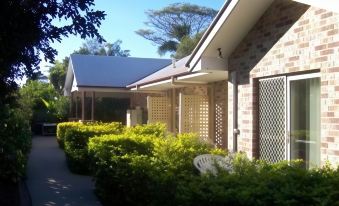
(123, 18)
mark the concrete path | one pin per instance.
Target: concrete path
(49, 180)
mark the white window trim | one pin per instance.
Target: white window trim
(288, 105)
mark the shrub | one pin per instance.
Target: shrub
(142, 170)
(121, 167)
(260, 183)
(148, 170)
(156, 130)
(76, 139)
(15, 144)
(61, 131)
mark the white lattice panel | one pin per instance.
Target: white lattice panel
(194, 115)
(158, 110)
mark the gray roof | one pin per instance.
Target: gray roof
(109, 71)
(165, 73)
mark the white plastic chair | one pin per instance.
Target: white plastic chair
(207, 163)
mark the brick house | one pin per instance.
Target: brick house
(283, 77)
(264, 79)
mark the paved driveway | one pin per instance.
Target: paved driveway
(49, 180)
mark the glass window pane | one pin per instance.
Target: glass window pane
(305, 120)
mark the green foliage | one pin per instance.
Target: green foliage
(169, 25)
(148, 170)
(120, 165)
(156, 130)
(29, 29)
(61, 131)
(42, 103)
(75, 137)
(95, 47)
(15, 143)
(57, 75)
(143, 169)
(260, 183)
(186, 45)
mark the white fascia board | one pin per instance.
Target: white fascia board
(102, 89)
(213, 33)
(192, 75)
(331, 5)
(155, 84)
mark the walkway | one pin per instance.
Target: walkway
(49, 180)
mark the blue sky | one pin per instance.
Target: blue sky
(123, 18)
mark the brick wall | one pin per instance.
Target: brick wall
(220, 118)
(290, 38)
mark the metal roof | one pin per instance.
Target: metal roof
(110, 71)
(171, 70)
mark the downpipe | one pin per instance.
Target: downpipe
(236, 131)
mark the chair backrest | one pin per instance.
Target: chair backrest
(207, 163)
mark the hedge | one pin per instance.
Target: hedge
(61, 131)
(260, 183)
(15, 144)
(75, 138)
(142, 170)
(146, 170)
(155, 130)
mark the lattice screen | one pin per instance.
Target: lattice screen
(272, 121)
(158, 110)
(193, 115)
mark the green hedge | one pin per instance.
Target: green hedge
(155, 130)
(142, 170)
(147, 170)
(259, 183)
(75, 139)
(15, 144)
(61, 131)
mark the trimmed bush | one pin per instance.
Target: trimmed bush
(61, 131)
(146, 170)
(121, 164)
(259, 183)
(76, 139)
(155, 130)
(142, 170)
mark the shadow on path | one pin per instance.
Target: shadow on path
(49, 180)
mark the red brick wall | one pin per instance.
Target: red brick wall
(290, 38)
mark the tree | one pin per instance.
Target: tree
(57, 74)
(95, 47)
(42, 103)
(27, 30)
(186, 46)
(168, 26)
